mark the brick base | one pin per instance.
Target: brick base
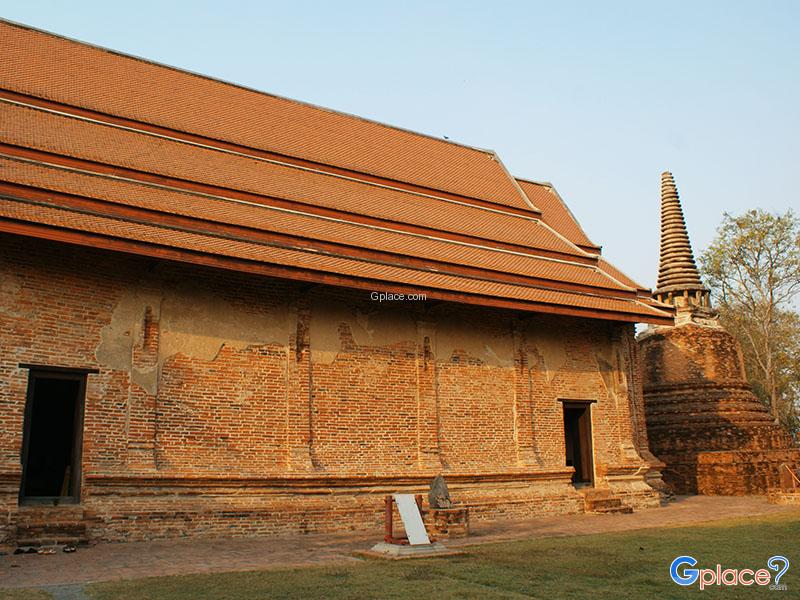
(727, 473)
(703, 420)
(446, 523)
(139, 510)
(781, 497)
(136, 509)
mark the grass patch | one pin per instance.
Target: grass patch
(23, 594)
(633, 564)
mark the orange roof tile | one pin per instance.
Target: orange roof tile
(296, 224)
(555, 213)
(112, 145)
(48, 66)
(614, 272)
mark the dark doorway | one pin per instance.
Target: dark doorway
(51, 445)
(578, 440)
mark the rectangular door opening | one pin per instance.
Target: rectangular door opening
(578, 440)
(51, 446)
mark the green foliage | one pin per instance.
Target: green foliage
(753, 270)
(755, 260)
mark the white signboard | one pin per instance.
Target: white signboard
(412, 520)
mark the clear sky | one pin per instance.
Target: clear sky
(596, 97)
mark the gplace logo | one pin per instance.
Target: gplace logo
(719, 576)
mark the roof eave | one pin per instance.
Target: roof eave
(34, 230)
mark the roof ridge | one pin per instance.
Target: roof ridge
(516, 184)
(555, 192)
(526, 180)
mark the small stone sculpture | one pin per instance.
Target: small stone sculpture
(439, 497)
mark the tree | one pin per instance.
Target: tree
(786, 361)
(753, 270)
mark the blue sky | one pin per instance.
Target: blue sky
(596, 97)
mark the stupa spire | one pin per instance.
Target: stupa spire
(678, 278)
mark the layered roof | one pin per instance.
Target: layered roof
(54, 68)
(107, 150)
(557, 214)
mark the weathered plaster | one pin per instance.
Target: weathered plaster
(609, 365)
(192, 322)
(454, 335)
(379, 328)
(10, 294)
(549, 343)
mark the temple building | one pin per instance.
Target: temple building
(703, 420)
(223, 312)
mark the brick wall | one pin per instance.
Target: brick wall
(230, 404)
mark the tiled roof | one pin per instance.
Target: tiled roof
(111, 145)
(51, 67)
(612, 271)
(556, 213)
(294, 225)
(306, 260)
(126, 185)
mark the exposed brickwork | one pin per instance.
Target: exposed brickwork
(228, 404)
(781, 497)
(703, 420)
(447, 523)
